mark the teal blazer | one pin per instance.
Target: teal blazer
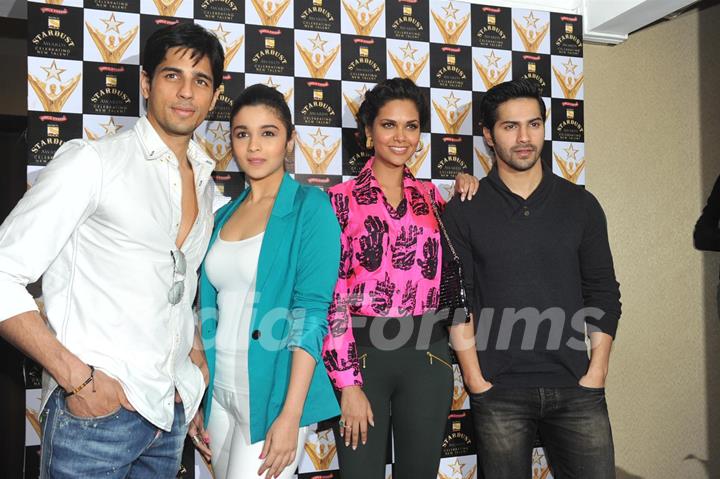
(296, 276)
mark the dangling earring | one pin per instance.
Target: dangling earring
(369, 143)
(420, 146)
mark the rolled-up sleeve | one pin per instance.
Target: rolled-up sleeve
(600, 289)
(44, 220)
(316, 275)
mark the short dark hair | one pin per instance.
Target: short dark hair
(199, 41)
(264, 95)
(503, 92)
(385, 91)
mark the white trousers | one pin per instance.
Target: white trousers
(233, 457)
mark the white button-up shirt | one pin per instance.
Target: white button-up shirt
(99, 226)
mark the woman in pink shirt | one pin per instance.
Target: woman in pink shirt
(383, 352)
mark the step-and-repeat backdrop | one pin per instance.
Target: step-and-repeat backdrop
(84, 65)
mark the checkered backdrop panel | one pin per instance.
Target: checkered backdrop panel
(85, 59)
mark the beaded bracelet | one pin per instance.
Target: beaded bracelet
(89, 380)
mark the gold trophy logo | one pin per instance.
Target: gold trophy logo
(570, 167)
(53, 96)
(111, 47)
(287, 95)
(322, 452)
(416, 162)
(485, 161)
(167, 8)
(231, 49)
(493, 74)
(457, 471)
(531, 34)
(217, 148)
(319, 155)
(354, 103)
(459, 392)
(33, 418)
(449, 25)
(408, 66)
(452, 115)
(570, 82)
(110, 129)
(362, 17)
(318, 61)
(270, 11)
(539, 471)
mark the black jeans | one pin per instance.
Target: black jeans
(572, 422)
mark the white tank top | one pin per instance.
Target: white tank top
(231, 267)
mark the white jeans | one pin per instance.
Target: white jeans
(229, 428)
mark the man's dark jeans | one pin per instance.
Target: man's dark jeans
(572, 422)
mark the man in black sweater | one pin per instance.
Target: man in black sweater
(540, 279)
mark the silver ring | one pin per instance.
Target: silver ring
(342, 424)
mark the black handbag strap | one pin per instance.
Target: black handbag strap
(441, 225)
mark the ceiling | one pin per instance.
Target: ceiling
(605, 21)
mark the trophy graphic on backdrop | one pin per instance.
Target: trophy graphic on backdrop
(570, 167)
(111, 47)
(287, 95)
(317, 60)
(110, 129)
(459, 392)
(531, 35)
(270, 11)
(318, 156)
(415, 163)
(218, 148)
(353, 105)
(53, 96)
(493, 74)
(569, 83)
(322, 452)
(539, 470)
(485, 161)
(230, 49)
(453, 116)
(449, 25)
(167, 8)
(457, 471)
(409, 68)
(363, 18)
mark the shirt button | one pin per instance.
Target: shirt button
(526, 211)
(256, 334)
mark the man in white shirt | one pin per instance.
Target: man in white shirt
(118, 228)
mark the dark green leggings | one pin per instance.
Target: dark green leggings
(412, 391)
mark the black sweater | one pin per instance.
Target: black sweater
(530, 266)
(707, 232)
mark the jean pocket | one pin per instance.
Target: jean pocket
(103, 417)
(482, 394)
(593, 390)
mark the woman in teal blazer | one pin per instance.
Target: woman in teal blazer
(277, 385)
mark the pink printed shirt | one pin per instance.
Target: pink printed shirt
(389, 264)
